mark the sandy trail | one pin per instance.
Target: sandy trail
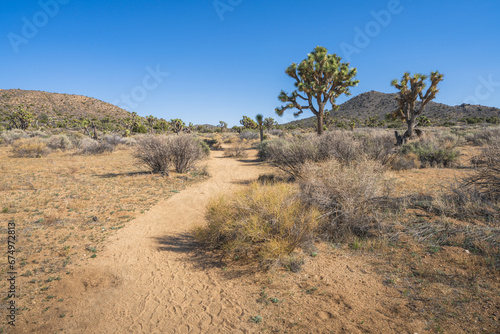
(144, 281)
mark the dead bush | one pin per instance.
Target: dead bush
(115, 140)
(93, 147)
(249, 135)
(290, 155)
(10, 136)
(339, 145)
(484, 136)
(486, 179)
(347, 194)
(379, 146)
(29, 148)
(59, 142)
(185, 151)
(235, 151)
(154, 152)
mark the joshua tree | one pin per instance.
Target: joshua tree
(151, 122)
(248, 123)
(407, 99)
(177, 125)
(320, 79)
(423, 121)
(86, 124)
(223, 126)
(21, 118)
(260, 119)
(162, 124)
(270, 123)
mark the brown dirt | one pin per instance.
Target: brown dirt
(151, 278)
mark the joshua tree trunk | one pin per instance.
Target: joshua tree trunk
(320, 124)
(261, 128)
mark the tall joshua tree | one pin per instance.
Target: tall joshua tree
(320, 79)
(410, 88)
(260, 119)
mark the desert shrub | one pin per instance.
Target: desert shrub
(115, 140)
(264, 221)
(379, 146)
(430, 154)
(346, 194)
(484, 136)
(249, 135)
(29, 148)
(129, 141)
(235, 151)
(92, 147)
(154, 153)
(404, 161)
(38, 133)
(59, 142)
(205, 148)
(276, 132)
(185, 151)
(290, 155)
(11, 136)
(263, 153)
(213, 143)
(339, 145)
(486, 180)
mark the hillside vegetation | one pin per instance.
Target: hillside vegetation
(363, 107)
(58, 106)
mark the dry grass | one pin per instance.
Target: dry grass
(263, 221)
(29, 148)
(64, 205)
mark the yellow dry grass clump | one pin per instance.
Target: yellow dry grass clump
(265, 221)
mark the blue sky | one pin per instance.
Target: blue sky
(205, 60)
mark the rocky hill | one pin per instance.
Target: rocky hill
(376, 104)
(58, 106)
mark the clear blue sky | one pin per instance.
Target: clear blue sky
(227, 62)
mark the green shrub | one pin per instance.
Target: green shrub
(430, 154)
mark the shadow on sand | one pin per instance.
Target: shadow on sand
(200, 258)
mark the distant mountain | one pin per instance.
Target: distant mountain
(379, 104)
(58, 106)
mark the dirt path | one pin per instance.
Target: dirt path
(144, 282)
